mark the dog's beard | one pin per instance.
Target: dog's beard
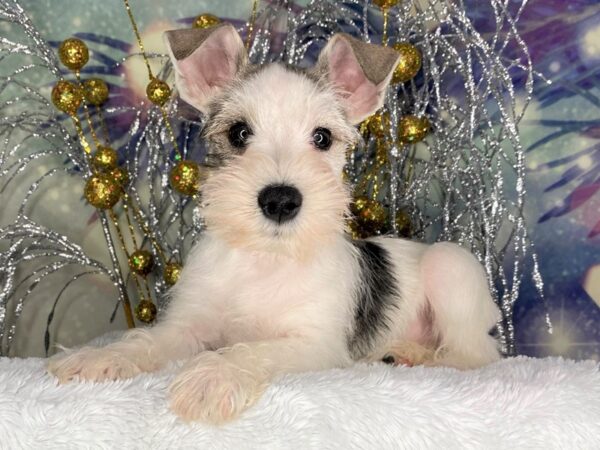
(232, 212)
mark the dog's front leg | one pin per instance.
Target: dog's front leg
(217, 386)
(140, 350)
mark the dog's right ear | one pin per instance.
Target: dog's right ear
(359, 72)
(205, 60)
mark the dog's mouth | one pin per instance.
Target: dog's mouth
(282, 231)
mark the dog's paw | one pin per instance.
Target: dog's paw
(213, 390)
(408, 354)
(91, 364)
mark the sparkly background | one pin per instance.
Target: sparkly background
(561, 131)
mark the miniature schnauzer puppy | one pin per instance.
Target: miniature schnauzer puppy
(275, 285)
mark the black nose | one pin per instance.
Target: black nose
(280, 203)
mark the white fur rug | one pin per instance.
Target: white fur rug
(517, 403)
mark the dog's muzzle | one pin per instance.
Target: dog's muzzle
(280, 203)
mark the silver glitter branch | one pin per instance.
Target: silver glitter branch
(464, 181)
(45, 253)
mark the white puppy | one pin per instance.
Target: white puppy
(275, 285)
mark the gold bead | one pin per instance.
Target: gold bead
(171, 273)
(141, 262)
(386, 4)
(412, 129)
(67, 97)
(145, 311)
(120, 175)
(73, 53)
(403, 224)
(158, 91)
(206, 21)
(369, 217)
(185, 177)
(409, 63)
(377, 124)
(102, 192)
(95, 91)
(105, 158)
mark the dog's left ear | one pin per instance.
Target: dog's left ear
(359, 71)
(205, 60)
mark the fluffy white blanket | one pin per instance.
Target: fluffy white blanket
(516, 403)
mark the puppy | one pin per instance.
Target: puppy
(275, 285)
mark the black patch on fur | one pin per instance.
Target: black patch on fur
(376, 293)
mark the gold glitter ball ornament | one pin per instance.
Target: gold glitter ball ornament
(67, 97)
(102, 192)
(409, 63)
(141, 262)
(158, 92)
(206, 21)
(185, 177)
(369, 217)
(105, 158)
(95, 91)
(120, 175)
(73, 53)
(412, 129)
(171, 273)
(386, 4)
(378, 124)
(145, 311)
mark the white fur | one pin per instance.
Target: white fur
(257, 299)
(517, 403)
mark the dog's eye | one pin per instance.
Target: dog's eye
(238, 134)
(322, 138)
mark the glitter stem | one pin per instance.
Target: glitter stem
(251, 24)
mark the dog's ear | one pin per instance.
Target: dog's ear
(205, 60)
(359, 71)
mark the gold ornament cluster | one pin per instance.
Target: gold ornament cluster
(369, 216)
(106, 184)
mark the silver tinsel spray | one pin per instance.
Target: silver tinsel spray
(464, 181)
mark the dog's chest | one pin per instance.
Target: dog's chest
(267, 299)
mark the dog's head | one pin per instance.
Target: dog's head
(281, 134)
